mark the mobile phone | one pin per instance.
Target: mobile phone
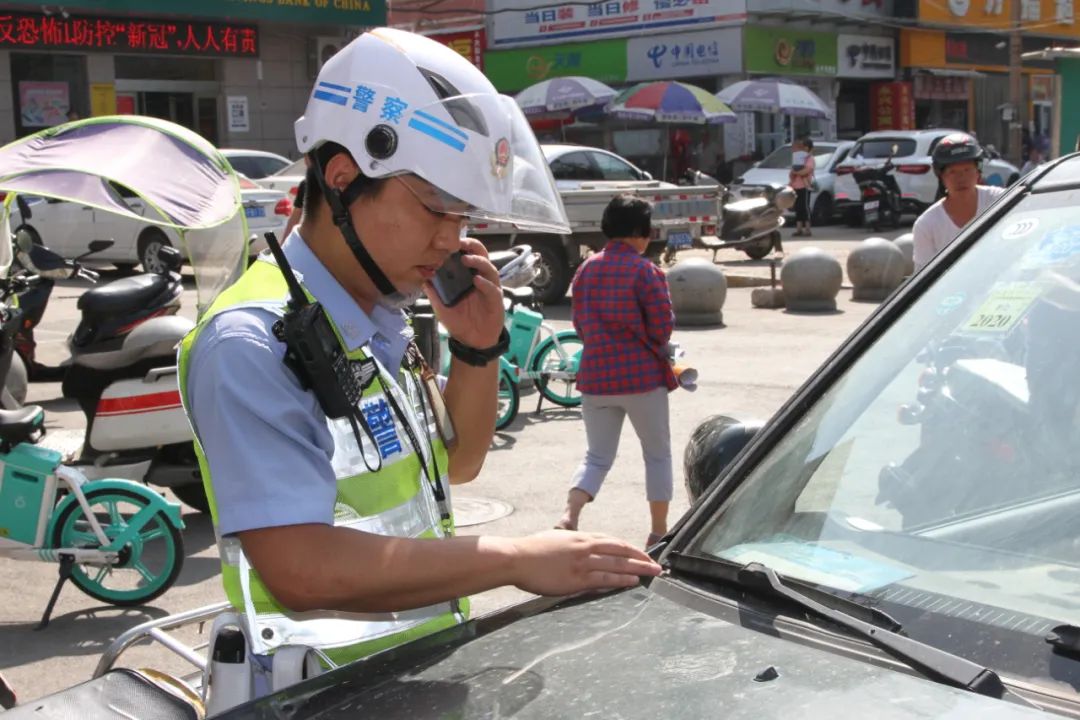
(453, 281)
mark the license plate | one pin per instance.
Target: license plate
(680, 240)
(870, 205)
(255, 211)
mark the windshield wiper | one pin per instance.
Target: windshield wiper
(934, 663)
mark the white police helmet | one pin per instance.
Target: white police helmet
(404, 105)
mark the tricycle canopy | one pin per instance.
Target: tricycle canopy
(186, 183)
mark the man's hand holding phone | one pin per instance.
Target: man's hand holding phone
(467, 297)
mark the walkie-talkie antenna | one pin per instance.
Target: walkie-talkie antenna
(297, 297)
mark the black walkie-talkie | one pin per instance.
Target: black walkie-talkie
(313, 350)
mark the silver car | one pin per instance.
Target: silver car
(773, 170)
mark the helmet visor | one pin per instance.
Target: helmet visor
(481, 160)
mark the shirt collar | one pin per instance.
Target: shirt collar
(357, 328)
(620, 246)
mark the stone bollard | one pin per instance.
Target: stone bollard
(875, 268)
(811, 279)
(698, 292)
(906, 243)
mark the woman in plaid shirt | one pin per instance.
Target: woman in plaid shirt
(622, 312)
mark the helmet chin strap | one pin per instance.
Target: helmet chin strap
(339, 201)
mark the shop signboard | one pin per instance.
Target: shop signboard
(513, 70)
(932, 87)
(778, 51)
(35, 31)
(664, 57)
(468, 43)
(864, 9)
(986, 50)
(892, 106)
(865, 56)
(316, 12)
(521, 22)
(43, 104)
(1043, 17)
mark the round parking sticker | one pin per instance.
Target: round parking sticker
(1056, 247)
(1021, 228)
(951, 303)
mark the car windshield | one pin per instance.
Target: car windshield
(938, 477)
(883, 148)
(781, 157)
(257, 166)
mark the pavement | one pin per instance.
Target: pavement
(748, 368)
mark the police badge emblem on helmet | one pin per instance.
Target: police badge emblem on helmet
(501, 158)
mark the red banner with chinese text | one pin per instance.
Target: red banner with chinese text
(468, 43)
(892, 106)
(126, 35)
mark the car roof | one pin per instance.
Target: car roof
(555, 150)
(913, 134)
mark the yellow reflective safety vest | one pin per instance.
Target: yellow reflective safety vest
(396, 500)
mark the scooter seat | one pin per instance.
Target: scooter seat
(120, 296)
(502, 258)
(20, 425)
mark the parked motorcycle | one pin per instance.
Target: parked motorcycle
(30, 256)
(751, 225)
(122, 372)
(880, 195)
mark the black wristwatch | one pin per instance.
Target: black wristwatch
(479, 358)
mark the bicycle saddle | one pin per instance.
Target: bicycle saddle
(20, 425)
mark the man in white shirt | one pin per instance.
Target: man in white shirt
(958, 163)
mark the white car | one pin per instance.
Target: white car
(573, 166)
(914, 168)
(774, 169)
(288, 179)
(67, 228)
(255, 164)
(576, 166)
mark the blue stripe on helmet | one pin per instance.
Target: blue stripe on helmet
(441, 123)
(437, 134)
(331, 86)
(330, 97)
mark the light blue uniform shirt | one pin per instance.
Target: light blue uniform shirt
(265, 438)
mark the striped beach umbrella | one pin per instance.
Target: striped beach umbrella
(670, 102)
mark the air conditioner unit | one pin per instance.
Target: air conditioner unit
(325, 48)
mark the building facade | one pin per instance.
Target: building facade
(834, 47)
(957, 61)
(238, 73)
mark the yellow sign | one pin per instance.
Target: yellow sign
(102, 99)
(1055, 18)
(1003, 309)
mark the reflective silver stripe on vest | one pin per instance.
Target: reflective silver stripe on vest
(325, 629)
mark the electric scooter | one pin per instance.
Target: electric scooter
(122, 372)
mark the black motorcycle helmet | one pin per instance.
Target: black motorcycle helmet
(957, 148)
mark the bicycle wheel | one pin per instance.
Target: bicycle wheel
(509, 398)
(555, 369)
(148, 565)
